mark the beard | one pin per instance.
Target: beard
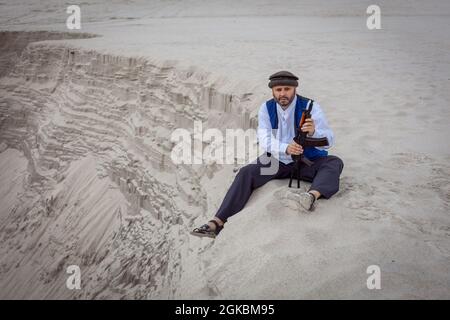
(284, 101)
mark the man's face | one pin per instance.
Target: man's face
(284, 95)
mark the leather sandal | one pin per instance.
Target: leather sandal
(206, 231)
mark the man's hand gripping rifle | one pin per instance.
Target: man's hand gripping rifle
(302, 139)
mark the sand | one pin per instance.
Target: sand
(87, 179)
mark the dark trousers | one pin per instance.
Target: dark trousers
(323, 175)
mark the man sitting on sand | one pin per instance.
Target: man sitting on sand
(279, 113)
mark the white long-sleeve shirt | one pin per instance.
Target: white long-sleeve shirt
(278, 143)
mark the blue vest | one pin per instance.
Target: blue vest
(309, 152)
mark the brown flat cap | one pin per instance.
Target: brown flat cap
(283, 78)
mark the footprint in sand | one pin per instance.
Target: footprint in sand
(362, 201)
(286, 199)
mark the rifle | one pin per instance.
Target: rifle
(302, 139)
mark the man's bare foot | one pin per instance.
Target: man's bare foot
(212, 225)
(315, 193)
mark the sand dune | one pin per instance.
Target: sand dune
(87, 179)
